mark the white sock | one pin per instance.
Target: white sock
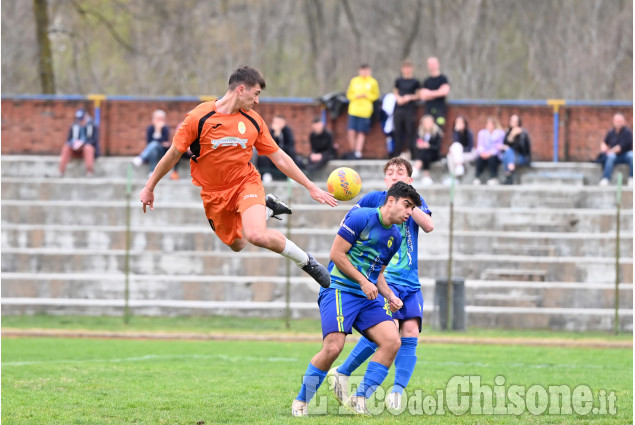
(293, 252)
(269, 212)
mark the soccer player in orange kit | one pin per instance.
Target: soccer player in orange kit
(221, 135)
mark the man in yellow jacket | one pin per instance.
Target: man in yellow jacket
(362, 91)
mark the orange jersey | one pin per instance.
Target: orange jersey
(222, 144)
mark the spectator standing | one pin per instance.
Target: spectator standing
(404, 119)
(488, 147)
(283, 136)
(617, 148)
(434, 90)
(81, 143)
(362, 91)
(157, 142)
(322, 149)
(516, 148)
(462, 148)
(427, 147)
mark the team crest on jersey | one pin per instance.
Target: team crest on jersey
(390, 241)
(241, 127)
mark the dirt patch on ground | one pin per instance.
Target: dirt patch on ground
(219, 336)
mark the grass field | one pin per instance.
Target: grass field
(112, 381)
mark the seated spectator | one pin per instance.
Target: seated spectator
(157, 142)
(81, 143)
(462, 148)
(516, 148)
(488, 148)
(426, 149)
(283, 136)
(322, 149)
(617, 148)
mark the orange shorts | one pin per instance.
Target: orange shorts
(225, 205)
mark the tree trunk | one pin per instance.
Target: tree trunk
(45, 63)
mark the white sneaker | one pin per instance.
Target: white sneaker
(357, 405)
(459, 170)
(267, 178)
(476, 182)
(427, 181)
(493, 182)
(415, 173)
(339, 383)
(604, 182)
(137, 161)
(299, 408)
(393, 401)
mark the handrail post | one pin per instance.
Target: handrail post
(556, 104)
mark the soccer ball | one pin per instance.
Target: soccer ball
(344, 183)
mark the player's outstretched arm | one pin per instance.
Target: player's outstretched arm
(394, 301)
(338, 257)
(291, 170)
(164, 166)
(423, 220)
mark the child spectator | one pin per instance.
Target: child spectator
(516, 148)
(488, 147)
(426, 149)
(462, 148)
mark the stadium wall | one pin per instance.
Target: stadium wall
(39, 124)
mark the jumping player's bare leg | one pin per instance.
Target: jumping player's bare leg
(238, 245)
(256, 232)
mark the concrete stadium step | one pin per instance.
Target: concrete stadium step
(546, 172)
(306, 215)
(168, 191)
(546, 294)
(201, 238)
(302, 289)
(514, 274)
(570, 319)
(564, 269)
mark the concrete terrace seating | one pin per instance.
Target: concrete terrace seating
(535, 255)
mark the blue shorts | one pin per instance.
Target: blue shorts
(412, 303)
(359, 124)
(342, 311)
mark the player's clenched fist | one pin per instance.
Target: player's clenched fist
(369, 290)
(394, 303)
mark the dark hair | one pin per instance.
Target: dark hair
(464, 120)
(248, 76)
(520, 122)
(364, 66)
(399, 161)
(401, 190)
(316, 118)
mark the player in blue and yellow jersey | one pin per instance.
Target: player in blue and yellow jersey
(402, 276)
(359, 296)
